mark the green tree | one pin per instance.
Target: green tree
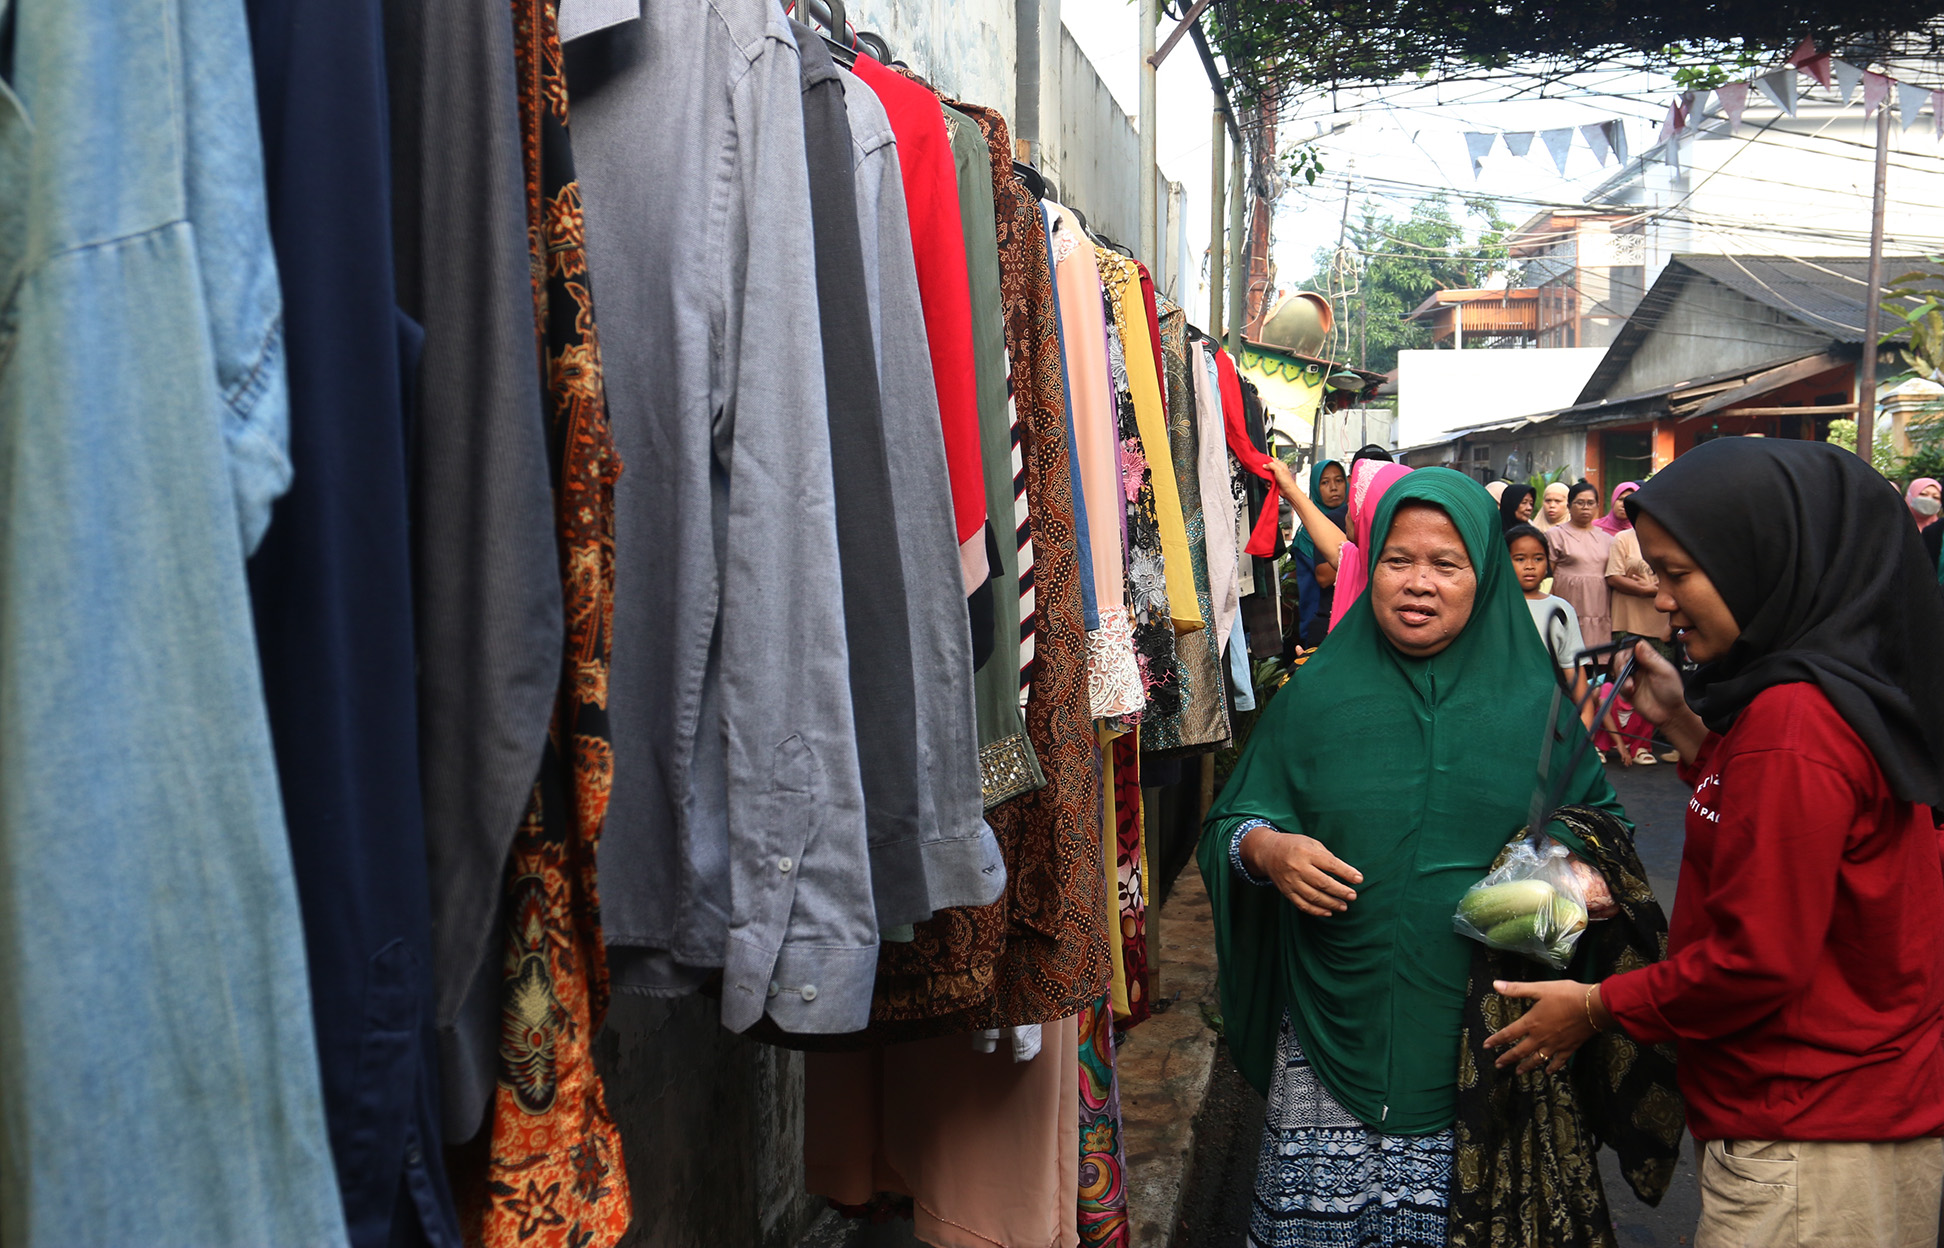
(1402, 260)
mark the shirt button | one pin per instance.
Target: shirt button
(775, 988)
(809, 992)
(784, 865)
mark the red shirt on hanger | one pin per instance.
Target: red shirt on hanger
(938, 252)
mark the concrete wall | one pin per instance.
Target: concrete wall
(711, 1125)
(969, 49)
(1438, 391)
(1094, 153)
(1711, 329)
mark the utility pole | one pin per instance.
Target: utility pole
(1215, 213)
(1150, 240)
(1866, 367)
(1238, 274)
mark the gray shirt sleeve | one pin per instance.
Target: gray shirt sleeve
(803, 927)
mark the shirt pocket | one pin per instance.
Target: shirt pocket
(1765, 1163)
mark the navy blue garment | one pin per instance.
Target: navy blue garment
(331, 589)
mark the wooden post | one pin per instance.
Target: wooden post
(1866, 367)
(1216, 212)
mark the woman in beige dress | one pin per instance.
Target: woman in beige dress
(1579, 554)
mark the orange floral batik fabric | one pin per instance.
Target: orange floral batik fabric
(556, 1177)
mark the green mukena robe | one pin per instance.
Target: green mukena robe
(1416, 772)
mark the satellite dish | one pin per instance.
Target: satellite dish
(1300, 323)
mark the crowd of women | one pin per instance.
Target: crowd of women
(1426, 1089)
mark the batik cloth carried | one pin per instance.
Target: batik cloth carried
(1525, 1173)
(556, 1177)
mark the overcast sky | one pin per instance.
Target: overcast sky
(1402, 143)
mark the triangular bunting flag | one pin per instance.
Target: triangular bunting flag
(1780, 88)
(1675, 122)
(1910, 102)
(1818, 67)
(1518, 144)
(1847, 76)
(1937, 114)
(1876, 91)
(1616, 133)
(1734, 98)
(1806, 50)
(1480, 146)
(1560, 143)
(1595, 137)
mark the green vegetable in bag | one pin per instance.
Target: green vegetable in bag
(1488, 908)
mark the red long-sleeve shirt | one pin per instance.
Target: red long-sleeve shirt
(1805, 983)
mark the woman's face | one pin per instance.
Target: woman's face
(1423, 583)
(1556, 502)
(1931, 491)
(1585, 508)
(1524, 510)
(1619, 509)
(1701, 618)
(1529, 563)
(1331, 489)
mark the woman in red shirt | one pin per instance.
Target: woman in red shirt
(1804, 987)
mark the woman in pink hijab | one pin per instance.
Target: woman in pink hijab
(1923, 498)
(1615, 521)
(1369, 478)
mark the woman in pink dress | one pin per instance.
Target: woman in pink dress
(1579, 554)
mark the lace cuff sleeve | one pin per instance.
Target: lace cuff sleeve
(1235, 850)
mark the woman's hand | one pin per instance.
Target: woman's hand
(1302, 870)
(1552, 1030)
(1656, 691)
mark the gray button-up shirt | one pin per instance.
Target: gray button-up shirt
(963, 866)
(736, 834)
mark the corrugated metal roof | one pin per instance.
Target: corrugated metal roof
(1824, 294)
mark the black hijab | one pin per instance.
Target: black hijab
(1509, 505)
(1816, 558)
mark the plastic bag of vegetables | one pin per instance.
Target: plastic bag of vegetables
(1532, 903)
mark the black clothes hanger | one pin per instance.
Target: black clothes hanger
(1035, 180)
(835, 20)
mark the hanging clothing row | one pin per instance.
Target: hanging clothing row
(510, 504)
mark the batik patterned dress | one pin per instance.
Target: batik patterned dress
(1147, 577)
(556, 1178)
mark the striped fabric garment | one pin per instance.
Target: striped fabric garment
(1023, 534)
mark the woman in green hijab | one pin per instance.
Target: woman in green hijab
(1335, 859)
